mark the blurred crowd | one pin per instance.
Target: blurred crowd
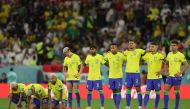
(33, 32)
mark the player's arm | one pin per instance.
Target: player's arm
(10, 100)
(20, 99)
(49, 95)
(185, 67)
(65, 71)
(41, 99)
(81, 68)
(28, 102)
(61, 96)
(166, 67)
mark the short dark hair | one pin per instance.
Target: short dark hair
(131, 40)
(11, 69)
(93, 46)
(114, 44)
(174, 42)
(153, 43)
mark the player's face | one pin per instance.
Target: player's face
(131, 45)
(53, 80)
(174, 47)
(113, 49)
(93, 51)
(153, 48)
(15, 88)
(66, 53)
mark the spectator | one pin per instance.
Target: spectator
(3, 78)
(12, 76)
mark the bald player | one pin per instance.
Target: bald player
(60, 98)
(17, 94)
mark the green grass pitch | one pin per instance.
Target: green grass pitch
(184, 104)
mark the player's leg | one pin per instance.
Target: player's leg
(177, 84)
(45, 103)
(98, 86)
(118, 87)
(168, 85)
(128, 84)
(149, 84)
(157, 88)
(35, 104)
(111, 86)
(76, 90)
(137, 84)
(70, 87)
(53, 104)
(89, 96)
(15, 98)
(63, 105)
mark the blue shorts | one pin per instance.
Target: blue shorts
(175, 81)
(132, 79)
(16, 97)
(154, 84)
(96, 85)
(56, 102)
(73, 81)
(36, 102)
(115, 83)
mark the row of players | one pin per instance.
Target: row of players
(114, 60)
(37, 97)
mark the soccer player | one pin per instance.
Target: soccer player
(154, 61)
(39, 96)
(133, 57)
(115, 61)
(174, 60)
(71, 63)
(94, 61)
(60, 98)
(17, 94)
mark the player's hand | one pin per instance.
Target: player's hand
(77, 75)
(19, 105)
(66, 75)
(178, 74)
(158, 74)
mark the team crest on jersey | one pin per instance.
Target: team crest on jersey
(175, 59)
(117, 58)
(135, 53)
(73, 61)
(155, 58)
(96, 61)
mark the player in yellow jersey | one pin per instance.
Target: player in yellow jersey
(60, 98)
(115, 61)
(173, 61)
(39, 96)
(72, 73)
(94, 81)
(17, 94)
(154, 61)
(133, 57)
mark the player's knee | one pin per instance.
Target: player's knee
(51, 106)
(33, 106)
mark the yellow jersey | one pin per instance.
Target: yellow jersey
(94, 63)
(38, 90)
(154, 62)
(72, 64)
(115, 62)
(21, 88)
(133, 60)
(56, 89)
(175, 61)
